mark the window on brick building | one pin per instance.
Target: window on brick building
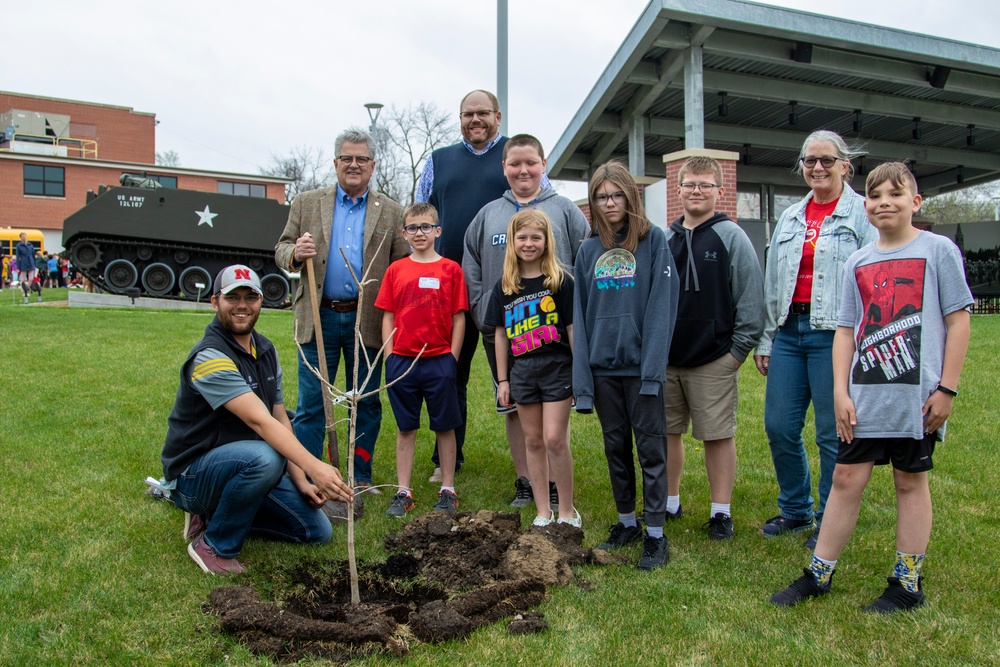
(165, 181)
(242, 189)
(44, 181)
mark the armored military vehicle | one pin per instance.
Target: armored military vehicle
(172, 243)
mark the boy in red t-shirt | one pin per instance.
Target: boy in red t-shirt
(423, 297)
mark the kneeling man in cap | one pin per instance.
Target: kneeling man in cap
(231, 459)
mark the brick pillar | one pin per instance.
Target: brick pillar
(728, 161)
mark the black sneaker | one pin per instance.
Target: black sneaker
(810, 543)
(720, 527)
(522, 493)
(447, 502)
(620, 536)
(400, 505)
(896, 598)
(655, 553)
(802, 588)
(779, 525)
(553, 497)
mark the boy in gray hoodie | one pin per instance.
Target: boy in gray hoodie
(486, 246)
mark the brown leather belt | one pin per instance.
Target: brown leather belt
(340, 306)
(799, 308)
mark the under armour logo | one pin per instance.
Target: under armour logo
(711, 255)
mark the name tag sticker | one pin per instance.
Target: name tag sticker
(430, 283)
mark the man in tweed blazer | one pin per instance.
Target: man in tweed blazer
(367, 225)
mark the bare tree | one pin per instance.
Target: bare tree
(404, 139)
(973, 204)
(168, 159)
(309, 169)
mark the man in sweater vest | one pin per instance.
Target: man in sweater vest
(459, 180)
(230, 458)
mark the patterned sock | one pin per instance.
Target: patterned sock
(673, 503)
(628, 520)
(907, 570)
(654, 531)
(448, 488)
(822, 570)
(719, 508)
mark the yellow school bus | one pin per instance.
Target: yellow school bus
(11, 236)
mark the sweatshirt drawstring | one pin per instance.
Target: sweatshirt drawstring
(692, 269)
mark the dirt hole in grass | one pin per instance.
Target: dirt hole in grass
(445, 577)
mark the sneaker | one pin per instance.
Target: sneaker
(655, 553)
(435, 477)
(400, 505)
(194, 526)
(802, 588)
(779, 525)
(620, 536)
(447, 502)
(576, 520)
(522, 493)
(366, 487)
(553, 497)
(810, 542)
(208, 561)
(544, 520)
(896, 598)
(720, 527)
(673, 516)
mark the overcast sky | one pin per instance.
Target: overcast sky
(233, 82)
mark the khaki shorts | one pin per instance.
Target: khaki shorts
(706, 396)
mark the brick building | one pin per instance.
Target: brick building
(52, 151)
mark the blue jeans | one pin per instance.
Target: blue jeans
(243, 490)
(310, 422)
(800, 371)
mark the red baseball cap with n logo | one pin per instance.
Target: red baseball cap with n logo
(235, 276)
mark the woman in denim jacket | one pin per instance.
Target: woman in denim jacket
(802, 282)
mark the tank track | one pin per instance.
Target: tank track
(245, 257)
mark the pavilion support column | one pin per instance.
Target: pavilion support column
(694, 99)
(637, 146)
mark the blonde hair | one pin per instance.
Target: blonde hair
(553, 272)
(701, 165)
(638, 225)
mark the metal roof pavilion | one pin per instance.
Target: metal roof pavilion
(756, 79)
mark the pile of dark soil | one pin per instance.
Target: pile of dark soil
(445, 577)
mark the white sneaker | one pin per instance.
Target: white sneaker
(576, 520)
(435, 477)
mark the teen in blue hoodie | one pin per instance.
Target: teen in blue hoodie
(624, 309)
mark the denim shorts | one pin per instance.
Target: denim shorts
(432, 378)
(905, 454)
(541, 378)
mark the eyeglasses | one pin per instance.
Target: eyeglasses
(478, 113)
(602, 199)
(362, 160)
(234, 299)
(700, 187)
(425, 228)
(827, 161)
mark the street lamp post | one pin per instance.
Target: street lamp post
(374, 108)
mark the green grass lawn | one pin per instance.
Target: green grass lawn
(92, 572)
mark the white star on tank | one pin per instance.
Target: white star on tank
(205, 217)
